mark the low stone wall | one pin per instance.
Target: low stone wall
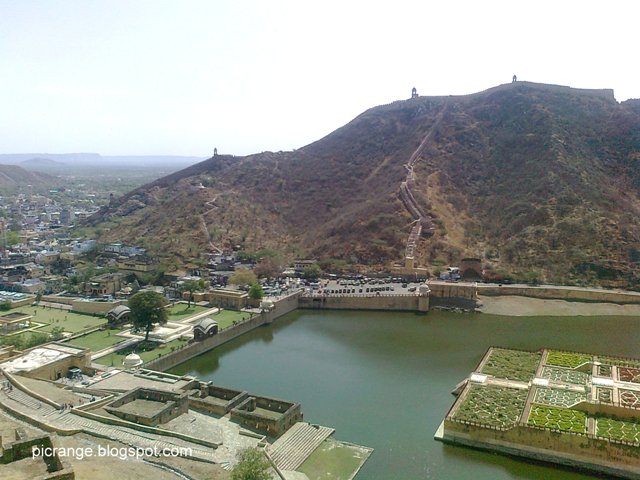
(82, 306)
(560, 293)
(361, 302)
(38, 423)
(95, 307)
(17, 384)
(568, 449)
(25, 301)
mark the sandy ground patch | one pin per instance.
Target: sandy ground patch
(514, 305)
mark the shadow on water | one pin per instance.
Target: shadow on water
(208, 363)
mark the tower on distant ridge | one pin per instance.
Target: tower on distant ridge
(414, 93)
(514, 79)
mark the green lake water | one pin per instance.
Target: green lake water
(383, 379)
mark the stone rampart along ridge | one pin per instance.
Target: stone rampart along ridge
(422, 222)
(563, 407)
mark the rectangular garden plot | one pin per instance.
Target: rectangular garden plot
(553, 418)
(511, 364)
(492, 406)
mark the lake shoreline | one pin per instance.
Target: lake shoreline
(519, 306)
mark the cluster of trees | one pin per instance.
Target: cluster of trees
(244, 276)
(252, 465)
(23, 342)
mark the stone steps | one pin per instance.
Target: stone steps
(295, 446)
(33, 404)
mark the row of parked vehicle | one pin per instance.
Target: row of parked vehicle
(360, 290)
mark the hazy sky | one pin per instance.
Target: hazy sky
(182, 77)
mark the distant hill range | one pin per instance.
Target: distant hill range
(64, 162)
(539, 181)
(39, 162)
(14, 177)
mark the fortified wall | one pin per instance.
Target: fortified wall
(411, 302)
(540, 444)
(82, 306)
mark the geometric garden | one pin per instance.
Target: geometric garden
(563, 393)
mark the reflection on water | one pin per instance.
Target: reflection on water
(383, 379)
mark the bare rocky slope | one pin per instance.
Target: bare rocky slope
(14, 178)
(540, 181)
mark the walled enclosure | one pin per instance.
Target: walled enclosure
(57, 467)
(170, 406)
(270, 416)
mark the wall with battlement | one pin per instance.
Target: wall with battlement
(410, 302)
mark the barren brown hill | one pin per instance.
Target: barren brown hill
(13, 177)
(540, 181)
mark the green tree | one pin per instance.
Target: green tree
(311, 272)
(147, 310)
(243, 276)
(13, 238)
(191, 286)
(57, 333)
(252, 465)
(5, 305)
(256, 292)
